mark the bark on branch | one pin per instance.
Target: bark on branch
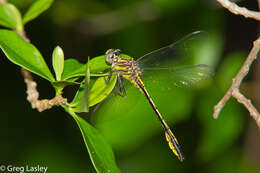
(234, 88)
(234, 8)
(32, 92)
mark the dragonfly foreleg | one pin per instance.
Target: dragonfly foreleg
(103, 72)
(109, 77)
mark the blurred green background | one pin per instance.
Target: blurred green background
(88, 28)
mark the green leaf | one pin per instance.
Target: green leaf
(100, 152)
(72, 69)
(101, 89)
(98, 92)
(84, 107)
(36, 9)
(83, 104)
(58, 62)
(10, 17)
(77, 98)
(98, 64)
(24, 54)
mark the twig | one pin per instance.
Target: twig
(234, 89)
(233, 8)
(32, 93)
(247, 103)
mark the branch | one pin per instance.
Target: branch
(33, 94)
(247, 103)
(234, 89)
(233, 8)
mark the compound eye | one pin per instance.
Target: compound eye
(117, 52)
(109, 56)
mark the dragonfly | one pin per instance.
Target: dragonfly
(161, 60)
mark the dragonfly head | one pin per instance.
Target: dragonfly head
(111, 54)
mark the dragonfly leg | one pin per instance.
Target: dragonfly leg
(109, 77)
(101, 73)
(121, 86)
(104, 71)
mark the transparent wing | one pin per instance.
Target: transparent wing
(128, 116)
(184, 76)
(174, 53)
(162, 84)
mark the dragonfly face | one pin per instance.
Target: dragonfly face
(111, 54)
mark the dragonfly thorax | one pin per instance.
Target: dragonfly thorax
(126, 67)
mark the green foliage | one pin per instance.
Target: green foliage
(72, 70)
(98, 64)
(58, 62)
(81, 100)
(67, 73)
(129, 123)
(10, 16)
(36, 9)
(24, 54)
(101, 89)
(100, 152)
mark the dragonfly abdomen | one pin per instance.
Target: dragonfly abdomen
(171, 139)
